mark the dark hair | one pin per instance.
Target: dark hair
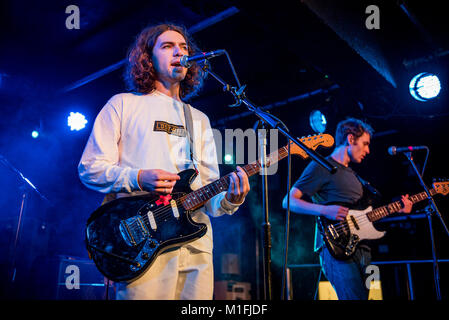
(351, 126)
(140, 73)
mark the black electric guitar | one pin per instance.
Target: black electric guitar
(342, 237)
(124, 236)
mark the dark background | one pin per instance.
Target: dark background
(294, 57)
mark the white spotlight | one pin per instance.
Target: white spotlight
(76, 121)
(425, 86)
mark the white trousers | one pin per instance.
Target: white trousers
(180, 274)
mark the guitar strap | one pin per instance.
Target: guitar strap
(368, 186)
(189, 129)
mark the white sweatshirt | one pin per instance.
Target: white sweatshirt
(135, 132)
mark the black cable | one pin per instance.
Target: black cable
(425, 162)
(287, 225)
(318, 284)
(233, 69)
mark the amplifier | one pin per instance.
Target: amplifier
(232, 290)
(79, 279)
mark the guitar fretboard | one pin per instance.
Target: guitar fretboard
(200, 196)
(384, 211)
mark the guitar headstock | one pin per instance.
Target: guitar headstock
(312, 142)
(441, 187)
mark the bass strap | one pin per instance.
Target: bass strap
(368, 186)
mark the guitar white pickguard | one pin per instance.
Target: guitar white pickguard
(362, 227)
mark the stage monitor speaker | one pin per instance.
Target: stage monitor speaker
(232, 290)
(79, 279)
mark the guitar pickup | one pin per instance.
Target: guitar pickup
(151, 220)
(333, 232)
(174, 208)
(354, 222)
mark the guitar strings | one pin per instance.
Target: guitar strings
(346, 225)
(166, 211)
(391, 208)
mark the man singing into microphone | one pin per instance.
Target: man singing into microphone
(140, 142)
(352, 140)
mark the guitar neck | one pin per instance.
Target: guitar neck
(200, 196)
(391, 208)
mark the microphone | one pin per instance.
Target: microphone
(186, 61)
(393, 149)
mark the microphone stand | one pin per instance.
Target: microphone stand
(432, 209)
(266, 226)
(273, 122)
(25, 189)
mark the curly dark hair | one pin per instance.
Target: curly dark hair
(140, 73)
(352, 126)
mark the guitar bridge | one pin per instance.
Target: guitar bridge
(133, 231)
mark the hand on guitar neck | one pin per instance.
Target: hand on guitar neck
(238, 186)
(407, 203)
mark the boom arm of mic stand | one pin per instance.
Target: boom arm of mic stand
(277, 125)
(266, 118)
(23, 179)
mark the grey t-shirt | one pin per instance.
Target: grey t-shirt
(325, 188)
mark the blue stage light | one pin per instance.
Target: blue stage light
(35, 134)
(425, 86)
(317, 121)
(76, 121)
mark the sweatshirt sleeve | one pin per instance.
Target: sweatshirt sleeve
(99, 168)
(209, 172)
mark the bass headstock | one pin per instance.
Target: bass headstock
(312, 142)
(441, 187)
